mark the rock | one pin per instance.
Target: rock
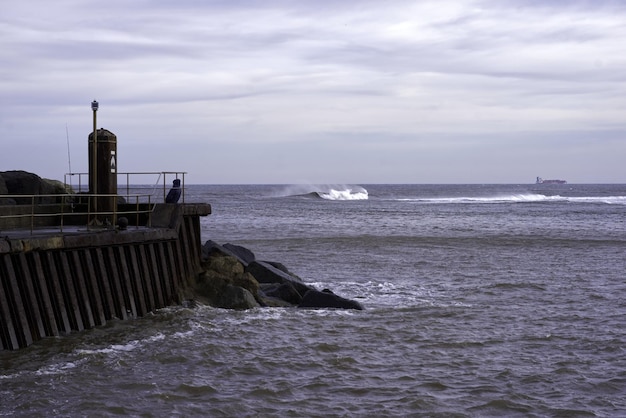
(209, 285)
(56, 186)
(281, 267)
(22, 182)
(248, 282)
(242, 254)
(235, 297)
(3, 185)
(264, 272)
(327, 299)
(283, 291)
(224, 284)
(5, 190)
(226, 265)
(211, 247)
(234, 279)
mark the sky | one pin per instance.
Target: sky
(319, 92)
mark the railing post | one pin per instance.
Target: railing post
(164, 186)
(88, 209)
(32, 214)
(183, 187)
(62, 211)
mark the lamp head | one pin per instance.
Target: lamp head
(94, 106)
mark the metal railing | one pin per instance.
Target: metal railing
(135, 183)
(42, 214)
(61, 210)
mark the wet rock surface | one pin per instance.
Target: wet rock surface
(233, 278)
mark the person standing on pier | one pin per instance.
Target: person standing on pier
(174, 193)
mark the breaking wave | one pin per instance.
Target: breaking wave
(344, 194)
(327, 192)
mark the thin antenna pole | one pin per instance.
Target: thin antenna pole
(69, 159)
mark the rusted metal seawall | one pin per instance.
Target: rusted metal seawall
(52, 285)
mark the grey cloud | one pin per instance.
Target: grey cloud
(443, 80)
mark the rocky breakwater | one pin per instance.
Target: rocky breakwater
(233, 278)
(19, 182)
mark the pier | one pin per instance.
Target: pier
(53, 283)
(72, 258)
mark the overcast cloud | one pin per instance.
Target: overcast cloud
(445, 91)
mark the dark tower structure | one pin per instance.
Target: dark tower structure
(103, 170)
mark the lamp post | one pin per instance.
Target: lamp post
(94, 174)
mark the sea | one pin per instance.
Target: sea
(480, 300)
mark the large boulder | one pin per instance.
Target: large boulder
(218, 290)
(210, 247)
(57, 187)
(19, 182)
(224, 284)
(226, 265)
(3, 185)
(235, 297)
(242, 254)
(248, 282)
(4, 191)
(265, 272)
(327, 299)
(279, 291)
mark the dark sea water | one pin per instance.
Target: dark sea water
(481, 300)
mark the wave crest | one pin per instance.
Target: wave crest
(327, 192)
(344, 194)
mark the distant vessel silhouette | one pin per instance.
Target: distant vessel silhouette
(542, 181)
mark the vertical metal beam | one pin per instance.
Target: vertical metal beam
(46, 304)
(57, 296)
(81, 285)
(119, 260)
(31, 305)
(159, 297)
(94, 152)
(11, 318)
(69, 290)
(97, 301)
(135, 277)
(115, 286)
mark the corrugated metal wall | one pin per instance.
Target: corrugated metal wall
(55, 292)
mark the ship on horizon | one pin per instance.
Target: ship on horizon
(542, 181)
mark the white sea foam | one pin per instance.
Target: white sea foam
(325, 191)
(54, 369)
(113, 348)
(522, 198)
(127, 347)
(345, 194)
(610, 200)
(10, 376)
